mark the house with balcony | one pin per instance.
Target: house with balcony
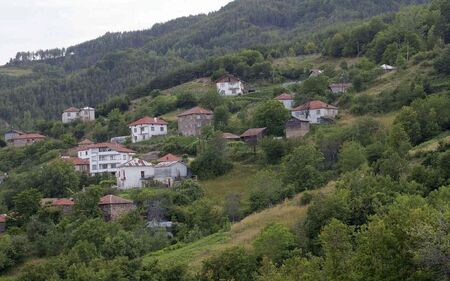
(105, 157)
(134, 173)
(229, 85)
(316, 112)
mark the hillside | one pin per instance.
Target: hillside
(89, 73)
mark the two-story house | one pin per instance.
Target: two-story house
(85, 114)
(105, 157)
(146, 128)
(133, 174)
(229, 85)
(192, 121)
(315, 112)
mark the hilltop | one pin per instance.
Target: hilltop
(42, 85)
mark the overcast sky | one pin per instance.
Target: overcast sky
(28, 25)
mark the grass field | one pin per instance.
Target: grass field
(14, 71)
(242, 234)
(237, 181)
(432, 144)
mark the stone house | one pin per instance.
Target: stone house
(26, 139)
(296, 128)
(113, 207)
(80, 165)
(11, 134)
(64, 204)
(192, 121)
(71, 114)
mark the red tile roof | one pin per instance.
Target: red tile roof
(113, 200)
(148, 120)
(113, 146)
(196, 110)
(85, 142)
(253, 132)
(230, 136)
(2, 218)
(315, 104)
(169, 158)
(29, 136)
(72, 109)
(285, 96)
(227, 78)
(63, 202)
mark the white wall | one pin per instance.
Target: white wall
(147, 131)
(315, 114)
(130, 177)
(288, 104)
(68, 117)
(104, 161)
(230, 88)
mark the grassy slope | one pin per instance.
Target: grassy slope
(432, 144)
(242, 234)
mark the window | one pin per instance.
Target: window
(68, 114)
(142, 129)
(124, 157)
(318, 111)
(153, 129)
(113, 166)
(162, 129)
(143, 137)
(86, 153)
(135, 130)
(135, 138)
(104, 166)
(142, 174)
(94, 167)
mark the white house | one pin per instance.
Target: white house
(105, 157)
(228, 85)
(315, 112)
(86, 114)
(146, 128)
(287, 100)
(169, 172)
(133, 173)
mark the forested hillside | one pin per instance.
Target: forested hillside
(40, 84)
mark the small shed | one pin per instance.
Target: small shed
(296, 127)
(254, 135)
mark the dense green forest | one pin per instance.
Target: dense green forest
(364, 198)
(45, 82)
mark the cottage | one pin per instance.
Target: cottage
(71, 114)
(26, 139)
(146, 128)
(113, 207)
(170, 172)
(192, 121)
(231, 137)
(315, 111)
(105, 157)
(315, 72)
(229, 85)
(296, 128)
(2, 223)
(169, 158)
(287, 100)
(253, 136)
(11, 134)
(64, 204)
(81, 165)
(133, 173)
(339, 88)
(387, 68)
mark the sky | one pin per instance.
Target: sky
(30, 25)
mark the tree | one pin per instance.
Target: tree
(351, 157)
(221, 117)
(232, 207)
(188, 191)
(398, 140)
(271, 115)
(267, 189)
(442, 62)
(274, 242)
(58, 179)
(335, 240)
(273, 150)
(27, 203)
(86, 203)
(232, 264)
(301, 168)
(337, 45)
(213, 161)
